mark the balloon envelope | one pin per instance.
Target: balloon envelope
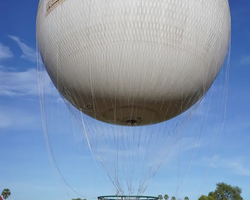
(131, 61)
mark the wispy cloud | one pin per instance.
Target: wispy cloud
(13, 83)
(5, 52)
(18, 119)
(245, 60)
(24, 83)
(237, 165)
(28, 52)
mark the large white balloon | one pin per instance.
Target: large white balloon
(133, 61)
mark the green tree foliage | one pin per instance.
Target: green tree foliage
(166, 197)
(6, 193)
(210, 198)
(203, 197)
(173, 198)
(160, 197)
(226, 192)
(79, 199)
(186, 198)
(223, 192)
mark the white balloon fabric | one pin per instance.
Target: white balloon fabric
(133, 62)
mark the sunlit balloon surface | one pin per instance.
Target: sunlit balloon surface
(132, 73)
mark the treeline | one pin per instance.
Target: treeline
(223, 191)
(166, 197)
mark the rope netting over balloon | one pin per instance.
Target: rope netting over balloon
(134, 86)
(131, 155)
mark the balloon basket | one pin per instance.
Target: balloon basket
(127, 197)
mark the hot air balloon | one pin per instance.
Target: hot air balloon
(125, 64)
(133, 62)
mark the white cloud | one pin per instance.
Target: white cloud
(5, 52)
(28, 52)
(237, 165)
(245, 60)
(21, 83)
(24, 83)
(18, 119)
(239, 168)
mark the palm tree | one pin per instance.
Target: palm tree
(160, 197)
(173, 198)
(166, 197)
(6, 193)
(186, 198)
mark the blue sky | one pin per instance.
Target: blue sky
(25, 167)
